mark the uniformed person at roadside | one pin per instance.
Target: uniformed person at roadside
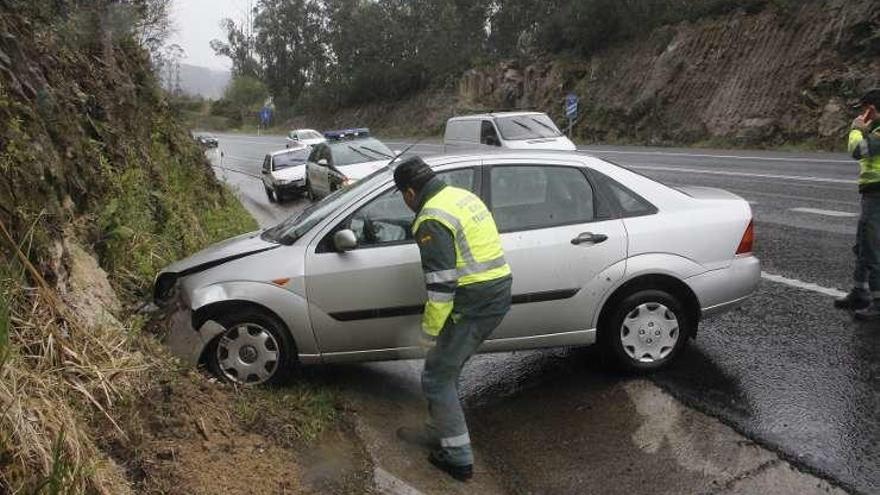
(864, 146)
(468, 284)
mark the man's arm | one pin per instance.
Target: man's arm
(437, 246)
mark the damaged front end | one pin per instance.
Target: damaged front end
(183, 339)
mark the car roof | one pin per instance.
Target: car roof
(302, 130)
(577, 158)
(273, 154)
(493, 115)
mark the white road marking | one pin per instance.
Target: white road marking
(744, 174)
(705, 155)
(799, 284)
(827, 213)
(392, 485)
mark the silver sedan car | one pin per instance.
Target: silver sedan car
(599, 254)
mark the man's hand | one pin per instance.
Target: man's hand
(863, 121)
(426, 341)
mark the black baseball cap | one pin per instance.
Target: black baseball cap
(872, 97)
(412, 172)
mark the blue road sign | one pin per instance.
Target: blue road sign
(265, 115)
(571, 106)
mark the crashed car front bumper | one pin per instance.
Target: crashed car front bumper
(186, 342)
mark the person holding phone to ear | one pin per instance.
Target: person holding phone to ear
(864, 146)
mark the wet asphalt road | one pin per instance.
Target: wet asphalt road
(785, 370)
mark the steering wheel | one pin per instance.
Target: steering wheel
(369, 231)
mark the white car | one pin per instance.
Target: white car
(347, 156)
(304, 137)
(284, 173)
(505, 130)
(599, 254)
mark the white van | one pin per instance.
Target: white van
(510, 130)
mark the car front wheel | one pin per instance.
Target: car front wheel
(271, 195)
(647, 330)
(254, 349)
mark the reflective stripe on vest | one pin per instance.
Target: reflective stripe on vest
(478, 253)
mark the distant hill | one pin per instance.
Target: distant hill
(210, 83)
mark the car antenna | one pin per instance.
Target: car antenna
(404, 152)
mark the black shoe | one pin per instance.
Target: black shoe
(417, 436)
(854, 300)
(460, 473)
(870, 313)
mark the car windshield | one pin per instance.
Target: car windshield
(531, 126)
(353, 151)
(290, 159)
(309, 135)
(298, 224)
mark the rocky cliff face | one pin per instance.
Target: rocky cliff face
(763, 78)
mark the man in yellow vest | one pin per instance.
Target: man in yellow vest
(468, 284)
(864, 146)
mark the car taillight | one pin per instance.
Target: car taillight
(748, 239)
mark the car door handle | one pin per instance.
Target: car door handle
(589, 238)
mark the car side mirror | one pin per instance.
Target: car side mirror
(344, 240)
(322, 162)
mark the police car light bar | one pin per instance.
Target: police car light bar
(347, 133)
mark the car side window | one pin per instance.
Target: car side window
(488, 134)
(627, 202)
(534, 197)
(266, 164)
(387, 220)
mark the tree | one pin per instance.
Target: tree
(239, 48)
(245, 96)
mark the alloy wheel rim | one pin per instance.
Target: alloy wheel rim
(649, 332)
(247, 354)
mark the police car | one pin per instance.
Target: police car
(348, 155)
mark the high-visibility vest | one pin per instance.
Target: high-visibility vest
(479, 256)
(869, 165)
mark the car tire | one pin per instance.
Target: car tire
(266, 354)
(646, 330)
(271, 195)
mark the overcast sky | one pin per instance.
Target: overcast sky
(197, 22)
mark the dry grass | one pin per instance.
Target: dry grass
(56, 372)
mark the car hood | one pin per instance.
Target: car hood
(357, 171)
(561, 143)
(296, 172)
(221, 252)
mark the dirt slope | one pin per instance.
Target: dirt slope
(100, 187)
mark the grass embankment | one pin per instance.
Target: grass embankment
(101, 187)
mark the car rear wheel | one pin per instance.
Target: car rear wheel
(647, 330)
(255, 349)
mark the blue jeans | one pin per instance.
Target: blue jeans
(456, 344)
(867, 272)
